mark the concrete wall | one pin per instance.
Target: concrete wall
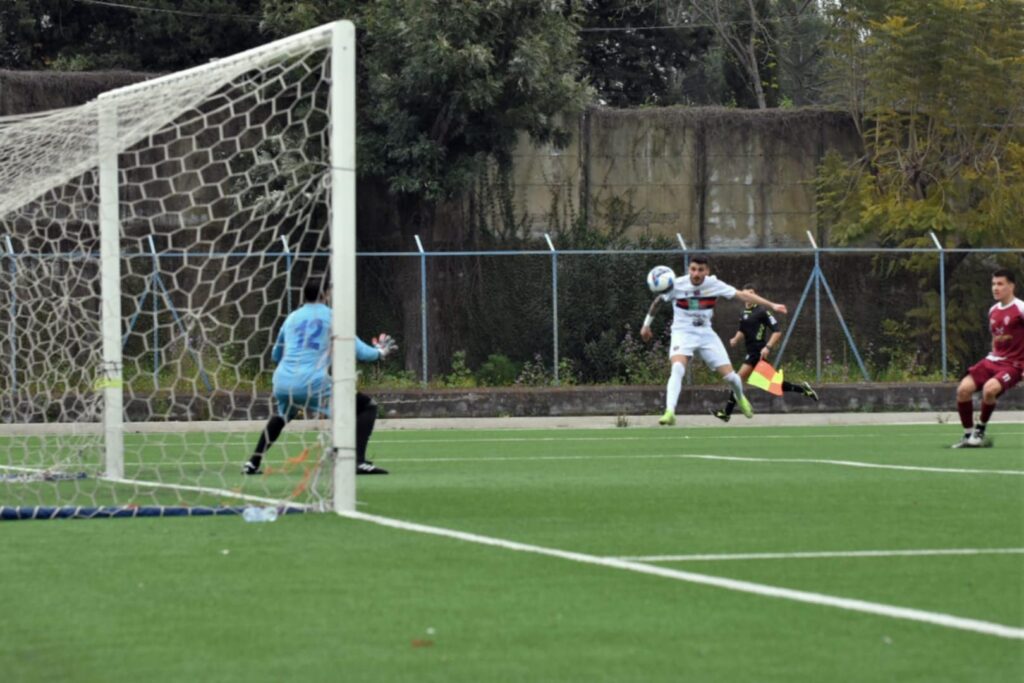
(719, 177)
(877, 397)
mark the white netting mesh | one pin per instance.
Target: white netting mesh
(224, 182)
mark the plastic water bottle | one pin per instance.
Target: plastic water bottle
(257, 514)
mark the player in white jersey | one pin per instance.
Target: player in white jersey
(695, 296)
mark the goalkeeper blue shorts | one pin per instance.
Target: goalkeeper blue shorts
(314, 403)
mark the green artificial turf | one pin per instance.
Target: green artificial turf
(322, 598)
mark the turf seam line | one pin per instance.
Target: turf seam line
(822, 554)
(820, 599)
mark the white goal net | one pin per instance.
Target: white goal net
(151, 244)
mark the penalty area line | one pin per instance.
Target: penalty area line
(726, 458)
(819, 599)
(652, 456)
(823, 554)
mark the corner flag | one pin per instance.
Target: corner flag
(766, 377)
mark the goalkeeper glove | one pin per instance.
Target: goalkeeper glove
(385, 344)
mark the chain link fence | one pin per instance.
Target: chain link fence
(529, 317)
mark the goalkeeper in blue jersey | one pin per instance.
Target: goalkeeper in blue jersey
(302, 379)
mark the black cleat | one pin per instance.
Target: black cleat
(251, 468)
(720, 414)
(369, 468)
(809, 392)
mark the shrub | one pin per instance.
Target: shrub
(497, 371)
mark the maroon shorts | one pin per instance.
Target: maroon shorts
(1007, 374)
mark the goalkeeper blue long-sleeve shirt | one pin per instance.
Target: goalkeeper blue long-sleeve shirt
(303, 350)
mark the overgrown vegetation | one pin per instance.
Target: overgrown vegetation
(935, 90)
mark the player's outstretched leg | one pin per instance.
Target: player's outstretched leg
(801, 388)
(737, 389)
(724, 414)
(267, 437)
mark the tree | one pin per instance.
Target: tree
(802, 32)
(939, 101)
(634, 56)
(442, 91)
(161, 35)
(937, 92)
(442, 95)
(747, 36)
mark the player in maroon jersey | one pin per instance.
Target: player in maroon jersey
(1000, 369)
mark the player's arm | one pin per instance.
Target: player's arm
(278, 351)
(737, 338)
(383, 346)
(645, 329)
(773, 342)
(366, 353)
(751, 298)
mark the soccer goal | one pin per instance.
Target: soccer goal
(151, 243)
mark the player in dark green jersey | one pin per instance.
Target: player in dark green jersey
(760, 331)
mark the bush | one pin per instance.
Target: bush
(497, 371)
(460, 376)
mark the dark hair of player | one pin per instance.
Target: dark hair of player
(699, 259)
(314, 289)
(750, 285)
(1007, 273)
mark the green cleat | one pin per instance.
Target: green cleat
(668, 419)
(744, 404)
(809, 392)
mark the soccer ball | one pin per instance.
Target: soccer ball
(660, 279)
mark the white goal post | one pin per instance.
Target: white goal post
(153, 241)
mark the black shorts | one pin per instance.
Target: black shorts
(363, 402)
(753, 357)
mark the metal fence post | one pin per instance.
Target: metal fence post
(942, 297)
(817, 305)
(423, 303)
(686, 252)
(554, 304)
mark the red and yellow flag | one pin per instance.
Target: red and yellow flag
(766, 377)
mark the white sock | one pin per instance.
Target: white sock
(736, 383)
(675, 385)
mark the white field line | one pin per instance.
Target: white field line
(633, 456)
(728, 458)
(824, 554)
(252, 427)
(238, 439)
(209, 490)
(178, 487)
(667, 437)
(820, 599)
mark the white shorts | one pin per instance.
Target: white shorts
(690, 340)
